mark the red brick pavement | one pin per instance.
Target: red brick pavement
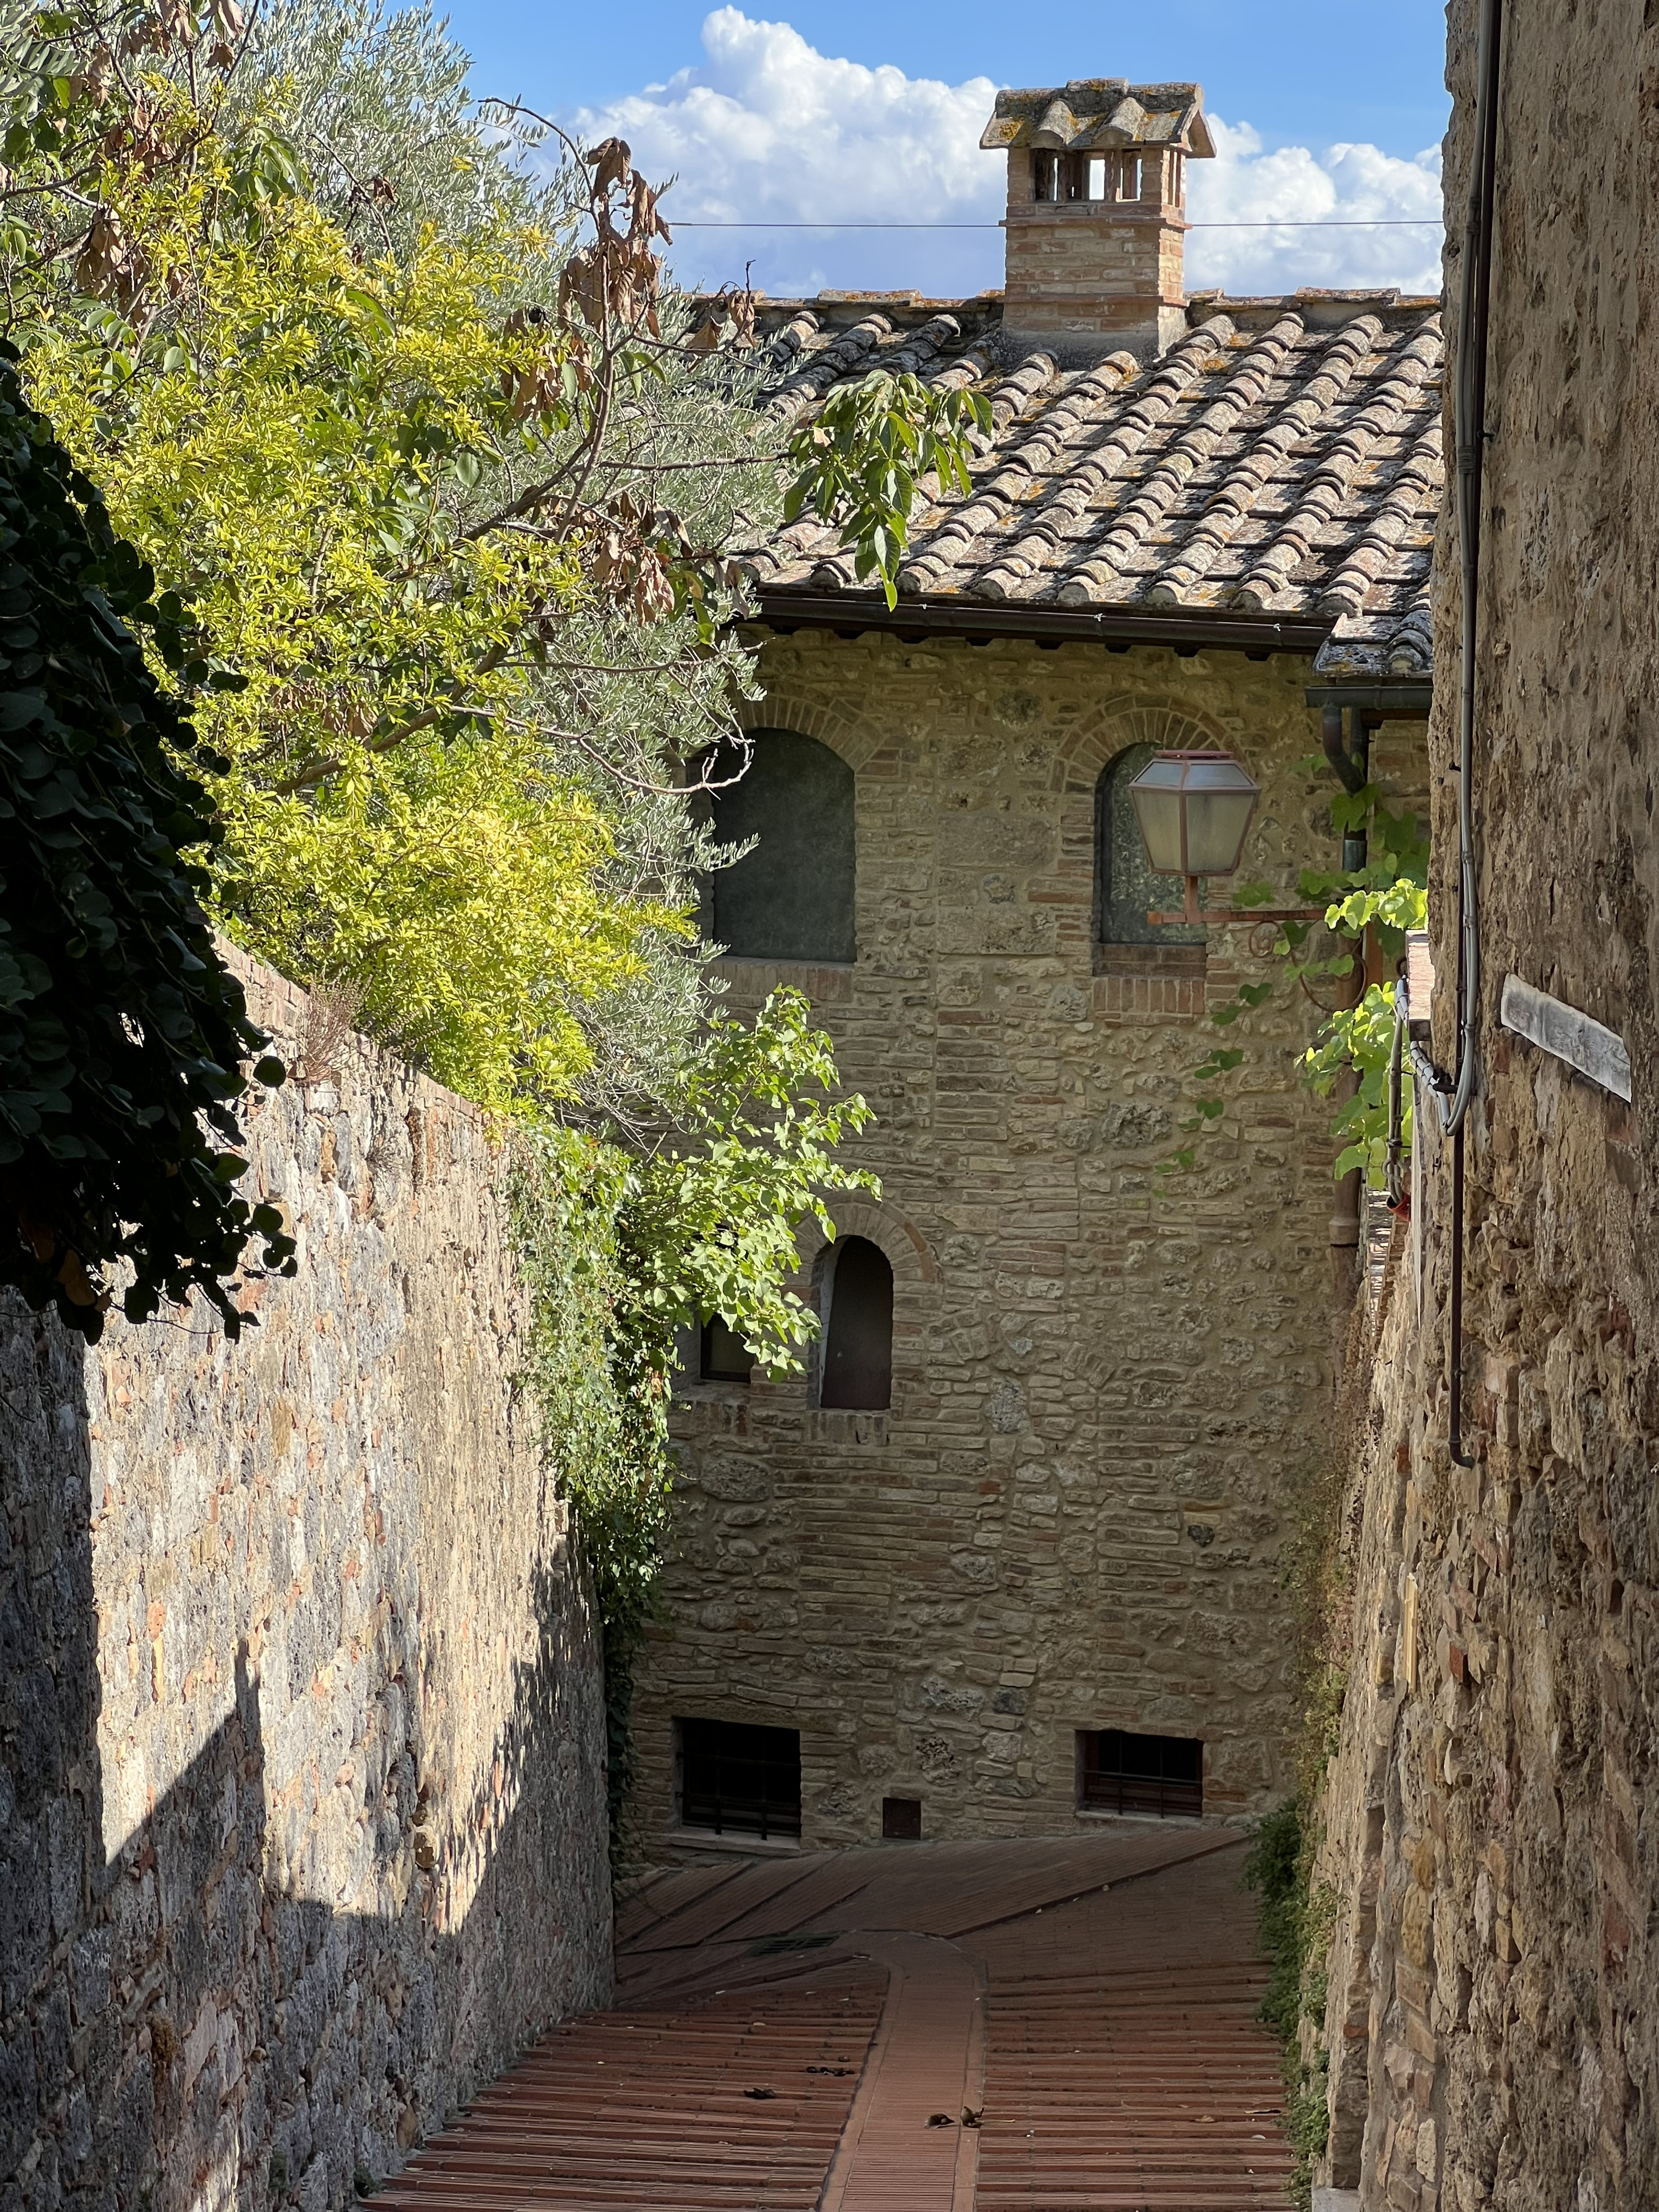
(1061, 2026)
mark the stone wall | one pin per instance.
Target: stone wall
(1494, 1811)
(302, 1828)
(1104, 1393)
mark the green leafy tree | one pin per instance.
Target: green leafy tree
(453, 496)
(351, 471)
(860, 460)
(392, 391)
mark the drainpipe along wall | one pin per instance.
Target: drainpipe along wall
(1351, 758)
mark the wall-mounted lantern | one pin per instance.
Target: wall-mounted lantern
(1193, 810)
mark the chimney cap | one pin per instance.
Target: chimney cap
(1096, 113)
(1057, 128)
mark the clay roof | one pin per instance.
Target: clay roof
(1093, 114)
(1280, 464)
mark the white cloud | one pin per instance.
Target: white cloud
(1345, 185)
(769, 129)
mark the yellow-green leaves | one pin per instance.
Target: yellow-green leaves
(714, 1206)
(313, 450)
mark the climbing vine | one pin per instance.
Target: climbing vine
(1372, 906)
(1297, 1923)
(122, 1036)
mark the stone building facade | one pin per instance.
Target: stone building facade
(1051, 1537)
(302, 1804)
(1492, 1814)
(1105, 1386)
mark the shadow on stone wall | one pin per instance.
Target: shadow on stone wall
(177, 2028)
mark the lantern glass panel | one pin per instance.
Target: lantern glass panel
(1216, 822)
(1159, 813)
(1194, 810)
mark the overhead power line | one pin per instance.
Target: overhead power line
(1265, 223)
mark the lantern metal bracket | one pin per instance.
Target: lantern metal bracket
(1214, 917)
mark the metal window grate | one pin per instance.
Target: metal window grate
(900, 1820)
(738, 1780)
(1160, 1775)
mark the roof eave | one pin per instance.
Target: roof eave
(1182, 628)
(1404, 698)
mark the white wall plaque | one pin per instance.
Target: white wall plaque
(1594, 1051)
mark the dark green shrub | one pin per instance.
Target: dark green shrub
(1295, 1936)
(122, 1036)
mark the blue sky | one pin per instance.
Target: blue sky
(810, 111)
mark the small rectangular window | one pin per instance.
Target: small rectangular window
(900, 1820)
(1161, 1774)
(739, 1781)
(724, 1357)
(1128, 176)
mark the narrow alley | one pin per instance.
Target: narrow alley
(1015, 2026)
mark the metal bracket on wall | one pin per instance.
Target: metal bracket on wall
(1215, 917)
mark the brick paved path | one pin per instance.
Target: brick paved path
(1065, 2026)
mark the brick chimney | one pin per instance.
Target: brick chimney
(1097, 213)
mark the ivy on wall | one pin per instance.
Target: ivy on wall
(1296, 1924)
(123, 1036)
(1383, 901)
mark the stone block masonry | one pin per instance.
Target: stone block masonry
(303, 1821)
(1492, 1816)
(1105, 1390)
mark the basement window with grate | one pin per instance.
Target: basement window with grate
(900, 1820)
(1160, 1775)
(737, 1780)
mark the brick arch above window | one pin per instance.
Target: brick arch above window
(915, 1271)
(908, 1253)
(854, 739)
(855, 1296)
(1120, 723)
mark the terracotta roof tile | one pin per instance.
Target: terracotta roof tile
(1281, 459)
(1100, 114)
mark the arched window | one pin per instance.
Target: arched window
(1126, 890)
(790, 898)
(857, 1367)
